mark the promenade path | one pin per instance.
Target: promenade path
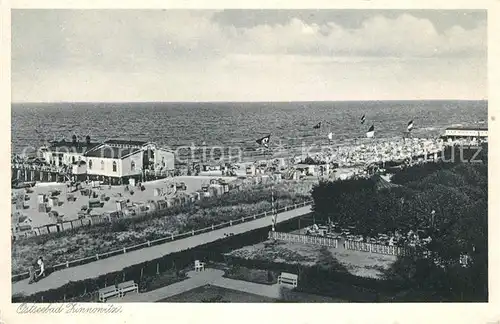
(198, 279)
(195, 280)
(116, 263)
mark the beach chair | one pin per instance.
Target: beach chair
(199, 266)
(107, 292)
(125, 287)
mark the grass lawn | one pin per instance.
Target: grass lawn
(362, 264)
(214, 294)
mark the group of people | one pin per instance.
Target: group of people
(382, 151)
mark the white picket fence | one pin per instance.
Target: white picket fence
(375, 248)
(305, 239)
(333, 242)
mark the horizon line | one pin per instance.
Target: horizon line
(237, 101)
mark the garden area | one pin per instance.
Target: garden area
(101, 238)
(445, 203)
(214, 294)
(355, 263)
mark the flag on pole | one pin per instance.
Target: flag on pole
(410, 125)
(330, 136)
(318, 125)
(264, 141)
(371, 132)
(363, 119)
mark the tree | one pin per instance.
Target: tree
(349, 202)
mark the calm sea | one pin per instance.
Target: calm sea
(238, 124)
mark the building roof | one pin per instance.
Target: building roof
(165, 149)
(111, 152)
(468, 128)
(70, 147)
(125, 142)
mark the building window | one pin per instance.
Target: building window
(132, 166)
(72, 159)
(90, 164)
(102, 165)
(114, 166)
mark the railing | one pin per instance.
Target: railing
(305, 239)
(375, 248)
(33, 167)
(333, 242)
(162, 240)
(58, 169)
(159, 173)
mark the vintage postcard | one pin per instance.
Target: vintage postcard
(326, 155)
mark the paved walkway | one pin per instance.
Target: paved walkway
(195, 280)
(116, 263)
(271, 291)
(199, 279)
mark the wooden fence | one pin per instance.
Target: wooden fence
(375, 248)
(333, 242)
(162, 240)
(305, 239)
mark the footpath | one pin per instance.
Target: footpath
(198, 279)
(95, 269)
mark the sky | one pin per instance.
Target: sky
(247, 55)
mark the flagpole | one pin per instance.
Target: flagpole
(273, 228)
(273, 213)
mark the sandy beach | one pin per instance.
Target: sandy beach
(70, 208)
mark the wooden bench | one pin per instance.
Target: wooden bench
(199, 266)
(127, 286)
(288, 278)
(107, 292)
